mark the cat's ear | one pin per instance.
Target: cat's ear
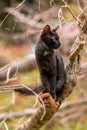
(55, 29)
(47, 29)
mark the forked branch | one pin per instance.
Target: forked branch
(35, 121)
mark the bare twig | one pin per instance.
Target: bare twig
(51, 106)
(73, 103)
(10, 12)
(24, 65)
(81, 3)
(23, 19)
(68, 88)
(11, 115)
(6, 127)
(65, 112)
(37, 97)
(37, 123)
(69, 8)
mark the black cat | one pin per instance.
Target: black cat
(49, 62)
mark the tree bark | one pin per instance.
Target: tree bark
(39, 119)
(35, 121)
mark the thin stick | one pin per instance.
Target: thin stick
(70, 10)
(39, 3)
(6, 127)
(37, 97)
(10, 12)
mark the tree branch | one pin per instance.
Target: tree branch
(28, 112)
(34, 123)
(69, 8)
(24, 65)
(10, 115)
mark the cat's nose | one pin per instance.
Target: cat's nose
(57, 45)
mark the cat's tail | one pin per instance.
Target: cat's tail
(37, 89)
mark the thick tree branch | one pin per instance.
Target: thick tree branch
(28, 112)
(68, 87)
(24, 65)
(36, 121)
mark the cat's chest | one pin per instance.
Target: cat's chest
(46, 61)
(45, 56)
(44, 53)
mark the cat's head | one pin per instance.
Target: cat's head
(50, 37)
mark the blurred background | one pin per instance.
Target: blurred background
(21, 22)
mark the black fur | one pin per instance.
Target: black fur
(49, 62)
